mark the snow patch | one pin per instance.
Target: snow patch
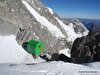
(12, 10)
(50, 10)
(66, 52)
(85, 33)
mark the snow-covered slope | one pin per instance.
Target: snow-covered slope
(43, 21)
(51, 68)
(72, 35)
(11, 52)
(70, 31)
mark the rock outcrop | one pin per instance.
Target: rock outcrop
(86, 49)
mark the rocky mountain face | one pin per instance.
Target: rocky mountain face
(57, 34)
(77, 25)
(96, 28)
(86, 49)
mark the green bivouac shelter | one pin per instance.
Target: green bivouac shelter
(34, 47)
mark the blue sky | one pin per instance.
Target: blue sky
(75, 8)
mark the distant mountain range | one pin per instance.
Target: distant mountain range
(91, 24)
